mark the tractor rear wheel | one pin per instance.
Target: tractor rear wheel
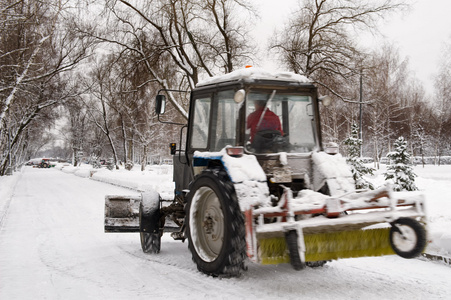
(150, 241)
(215, 225)
(407, 237)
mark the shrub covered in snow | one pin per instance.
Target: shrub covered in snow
(400, 170)
(354, 160)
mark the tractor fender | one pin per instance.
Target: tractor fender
(245, 173)
(239, 168)
(149, 212)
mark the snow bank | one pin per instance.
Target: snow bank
(157, 178)
(7, 184)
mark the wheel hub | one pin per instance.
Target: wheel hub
(209, 221)
(405, 238)
(208, 225)
(212, 224)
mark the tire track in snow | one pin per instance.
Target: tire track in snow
(174, 264)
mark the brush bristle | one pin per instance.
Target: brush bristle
(329, 246)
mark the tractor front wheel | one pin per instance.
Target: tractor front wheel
(215, 225)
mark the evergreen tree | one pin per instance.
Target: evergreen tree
(358, 168)
(400, 170)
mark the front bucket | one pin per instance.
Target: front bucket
(122, 213)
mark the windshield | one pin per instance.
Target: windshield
(279, 122)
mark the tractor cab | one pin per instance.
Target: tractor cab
(263, 118)
(274, 117)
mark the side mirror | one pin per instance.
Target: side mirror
(325, 100)
(160, 104)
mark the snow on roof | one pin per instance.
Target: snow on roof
(254, 73)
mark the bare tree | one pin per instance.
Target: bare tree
(415, 112)
(101, 98)
(385, 92)
(36, 49)
(317, 40)
(229, 42)
(442, 102)
(394, 104)
(196, 37)
(161, 45)
(77, 129)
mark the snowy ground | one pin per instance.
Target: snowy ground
(52, 246)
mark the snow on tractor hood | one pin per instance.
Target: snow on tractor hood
(254, 74)
(246, 174)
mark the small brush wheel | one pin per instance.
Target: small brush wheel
(407, 237)
(291, 238)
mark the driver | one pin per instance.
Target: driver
(269, 121)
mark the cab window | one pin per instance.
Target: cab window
(224, 121)
(200, 124)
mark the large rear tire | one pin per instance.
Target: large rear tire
(215, 225)
(407, 237)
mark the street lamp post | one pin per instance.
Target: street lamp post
(361, 114)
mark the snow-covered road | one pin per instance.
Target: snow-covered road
(52, 246)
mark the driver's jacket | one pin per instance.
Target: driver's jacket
(270, 121)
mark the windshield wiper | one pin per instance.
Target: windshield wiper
(266, 108)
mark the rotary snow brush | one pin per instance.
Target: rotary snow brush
(310, 231)
(329, 246)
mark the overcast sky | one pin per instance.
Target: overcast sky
(420, 33)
